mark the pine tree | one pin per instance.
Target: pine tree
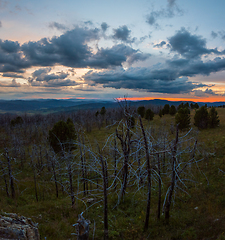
(183, 118)
(213, 118)
(173, 110)
(149, 114)
(201, 118)
(141, 111)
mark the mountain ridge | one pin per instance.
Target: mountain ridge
(58, 105)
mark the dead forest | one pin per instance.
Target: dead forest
(124, 176)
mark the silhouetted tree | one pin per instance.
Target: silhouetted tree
(213, 118)
(62, 135)
(182, 118)
(166, 109)
(173, 110)
(149, 114)
(141, 111)
(201, 118)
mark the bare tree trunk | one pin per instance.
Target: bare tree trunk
(160, 187)
(10, 174)
(4, 176)
(104, 173)
(55, 179)
(173, 179)
(125, 143)
(115, 162)
(82, 228)
(149, 177)
(85, 166)
(35, 179)
(69, 169)
(82, 163)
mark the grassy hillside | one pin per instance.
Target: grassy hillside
(198, 204)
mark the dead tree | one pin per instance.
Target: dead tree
(5, 180)
(125, 143)
(82, 227)
(148, 166)
(82, 163)
(11, 179)
(105, 182)
(34, 175)
(173, 177)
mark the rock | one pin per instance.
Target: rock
(14, 227)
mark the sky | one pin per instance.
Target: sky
(95, 49)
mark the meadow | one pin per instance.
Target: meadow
(110, 162)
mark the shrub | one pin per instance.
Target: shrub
(62, 135)
(201, 118)
(16, 121)
(183, 118)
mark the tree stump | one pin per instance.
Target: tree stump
(82, 228)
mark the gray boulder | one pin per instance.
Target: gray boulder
(14, 227)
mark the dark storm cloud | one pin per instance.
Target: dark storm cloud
(172, 76)
(70, 49)
(159, 45)
(123, 33)
(164, 13)
(12, 75)
(214, 34)
(171, 3)
(42, 77)
(115, 56)
(200, 93)
(163, 81)
(58, 26)
(12, 84)
(104, 26)
(190, 46)
(0, 24)
(60, 83)
(9, 46)
(11, 58)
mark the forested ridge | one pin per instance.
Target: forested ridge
(134, 173)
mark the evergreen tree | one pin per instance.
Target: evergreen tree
(166, 109)
(149, 114)
(196, 106)
(201, 118)
(183, 118)
(213, 118)
(160, 113)
(103, 111)
(173, 110)
(141, 111)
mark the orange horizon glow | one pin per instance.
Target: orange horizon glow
(211, 99)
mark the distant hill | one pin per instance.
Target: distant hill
(68, 105)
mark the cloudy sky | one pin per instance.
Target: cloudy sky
(106, 49)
